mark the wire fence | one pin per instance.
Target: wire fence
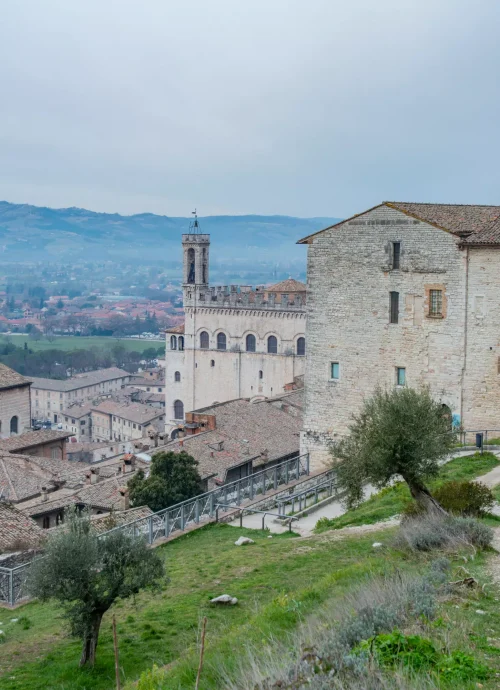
(195, 511)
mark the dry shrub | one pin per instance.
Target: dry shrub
(428, 532)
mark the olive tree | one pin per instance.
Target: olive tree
(399, 433)
(87, 574)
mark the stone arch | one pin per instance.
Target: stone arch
(300, 345)
(204, 340)
(14, 424)
(250, 340)
(221, 339)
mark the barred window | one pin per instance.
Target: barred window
(435, 303)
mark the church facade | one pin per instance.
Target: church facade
(236, 342)
(403, 294)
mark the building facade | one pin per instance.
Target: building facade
(15, 403)
(117, 421)
(403, 294)
(52, 396)
(237, 342)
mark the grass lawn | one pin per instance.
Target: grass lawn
(277, 582)
(392, 500)
(69, 342)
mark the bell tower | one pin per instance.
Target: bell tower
(195, 247)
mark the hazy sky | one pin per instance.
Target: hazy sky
(297, 107)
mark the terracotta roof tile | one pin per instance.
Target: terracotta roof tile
(17, 528)
(10, 378)
(32, 438)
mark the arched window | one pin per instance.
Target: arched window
(181, 342)
(14, 425)
(204, 340)
(272, 345)
(178, 409)
(301, 346)
(250, 343)
(173, 342)
(190, 266)
(261, 375)
(177, 376)
(221, 341)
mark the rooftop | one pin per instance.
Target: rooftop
(474, 224)
(32, 438)
(288, 285)
(17, 529)
(133, 412)
(10, 378)
(89, 378)
(247, 431)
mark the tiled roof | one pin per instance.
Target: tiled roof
(17, 529)
(139, 381)
(103, 523)
(133, 412)
(89, 378)
(78, 410)
(289, 285)
(32, 438)
(245, 430)
(10, 378)
(474, 224)
(176, 329)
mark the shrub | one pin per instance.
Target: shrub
(395, 649)
(152, 679)
(426, 533)
(465, 498)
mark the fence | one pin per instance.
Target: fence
(297, 502)
(13, 584)
(202, 508)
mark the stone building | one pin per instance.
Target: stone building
(124, 421)
(403, 294)
(52, 396)
(15, 402)
(237, 342)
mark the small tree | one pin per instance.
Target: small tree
(404, 433)
(87, 575)
(173, 478)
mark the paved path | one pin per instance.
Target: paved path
(306, 525)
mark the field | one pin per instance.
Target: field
(68, 343)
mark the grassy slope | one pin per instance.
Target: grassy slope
(68, 343)
(163, 628)
(392, 500)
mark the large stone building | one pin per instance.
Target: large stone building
(51, 397)
(237, 342)
(403, 294)
(15, 402)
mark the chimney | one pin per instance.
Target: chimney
(94, 475)
(181, 442)
(124, 498)
(45, 496)
(264, 454)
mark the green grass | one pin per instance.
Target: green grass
(277, 581)
(392, 500)
(68, 343)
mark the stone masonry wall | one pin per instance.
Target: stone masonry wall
(481, 395)
(14, 402)
(349, 281)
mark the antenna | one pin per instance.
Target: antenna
(194, 225)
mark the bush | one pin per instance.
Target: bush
(426, 533)
(465, 498)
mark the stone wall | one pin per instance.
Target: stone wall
(350, 277)
(14, 402)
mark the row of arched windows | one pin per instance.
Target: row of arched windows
(176, 342)
(251, 343)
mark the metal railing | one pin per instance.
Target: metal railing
(202, 508)
(326, 488)
(264, 514)
(13, 584)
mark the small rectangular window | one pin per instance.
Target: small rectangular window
(394, 307)
(335, 371)
(435, 302)
(400, 376)
(396, 254)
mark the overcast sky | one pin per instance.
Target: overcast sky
(296, 107)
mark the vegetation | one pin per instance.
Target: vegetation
(87, 575)
(173, 477)
(465, 498)
(395, 499)
(31, 359)
(398, 433)
(448, 533)
(280, 583)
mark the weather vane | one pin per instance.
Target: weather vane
(194, 226)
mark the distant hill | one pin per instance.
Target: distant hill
(70, 234)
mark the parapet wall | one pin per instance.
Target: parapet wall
(243, 297)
